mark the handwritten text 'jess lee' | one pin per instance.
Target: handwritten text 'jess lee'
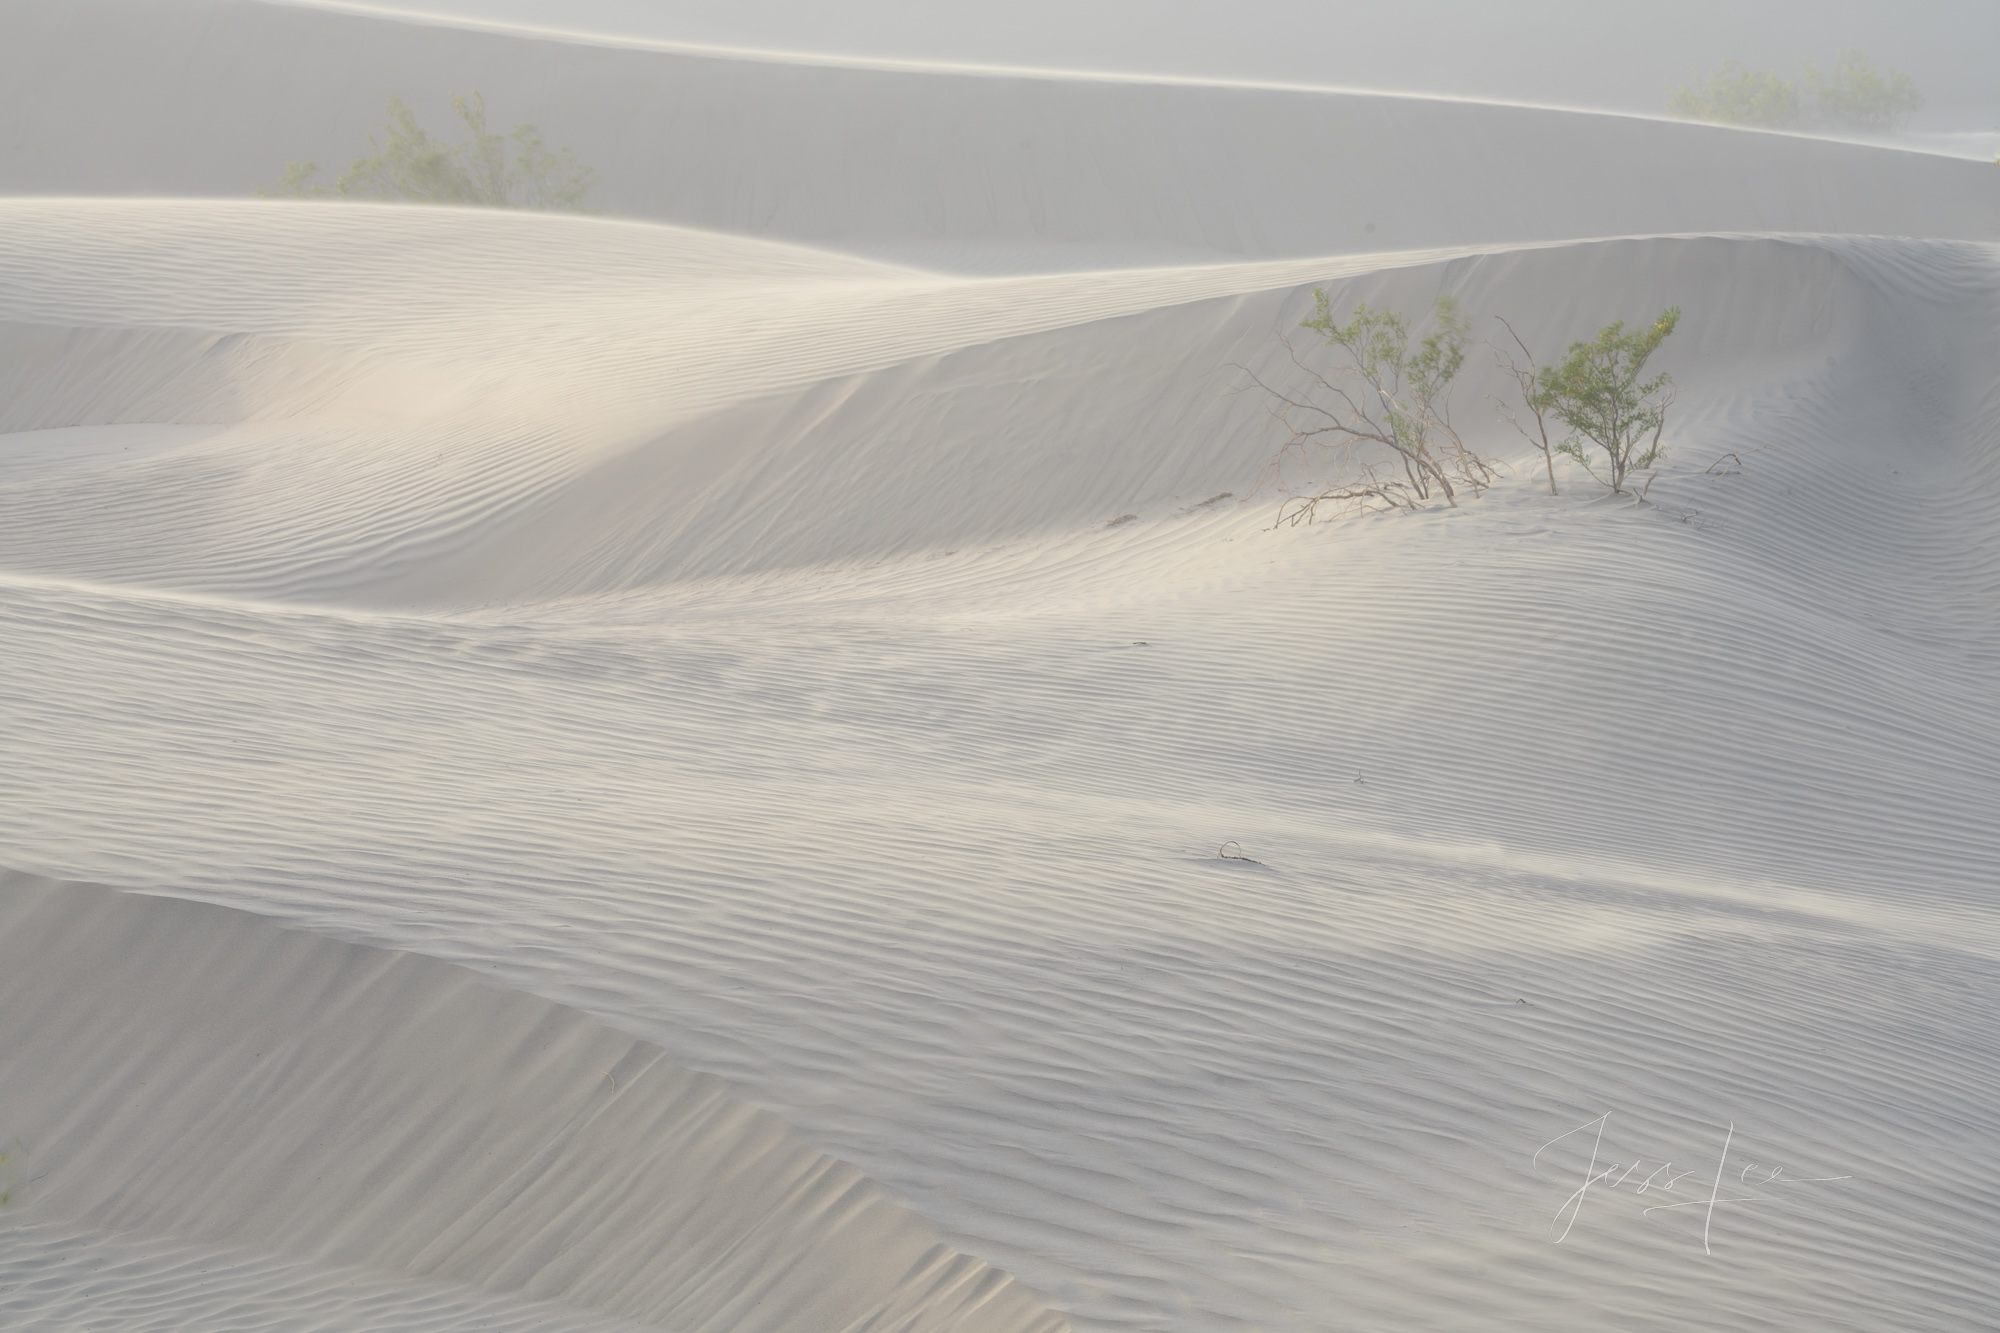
(1663, 1179)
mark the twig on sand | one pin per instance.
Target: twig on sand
(1735, 458)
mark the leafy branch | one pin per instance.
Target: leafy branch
(1380, 413)
(1525, 373)
(1597, 391)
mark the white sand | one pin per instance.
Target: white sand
(224, 1081)
(722, 647)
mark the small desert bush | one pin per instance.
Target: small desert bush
(487, 169)
(1853, 95)
(1600, 391)
(1734, 95)
(1368, 410)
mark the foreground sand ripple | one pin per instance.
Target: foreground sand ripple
(188, 1072)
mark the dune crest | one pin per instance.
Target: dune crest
(411, 411)
(974, 170)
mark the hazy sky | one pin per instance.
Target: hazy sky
(1620, 54)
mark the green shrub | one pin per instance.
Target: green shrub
(1738, 96)
(1852, 96)
(487, 170)
(1596, 391)
(1379, 413)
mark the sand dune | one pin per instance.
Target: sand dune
(668, 771)
(993, 171)
(782, 747)
(392, 451)
(187, 1071)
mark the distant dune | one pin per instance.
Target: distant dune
(980, 171)
(763, 763)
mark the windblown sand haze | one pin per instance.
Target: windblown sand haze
(760, 760)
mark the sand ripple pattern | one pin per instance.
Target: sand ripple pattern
(897, 804)
(184, 1071)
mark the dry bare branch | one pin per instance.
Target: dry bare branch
(1377, 418)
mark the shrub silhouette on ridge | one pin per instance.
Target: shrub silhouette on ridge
(489, 170)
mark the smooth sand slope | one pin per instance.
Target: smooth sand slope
(986, 172)
(826, 683)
